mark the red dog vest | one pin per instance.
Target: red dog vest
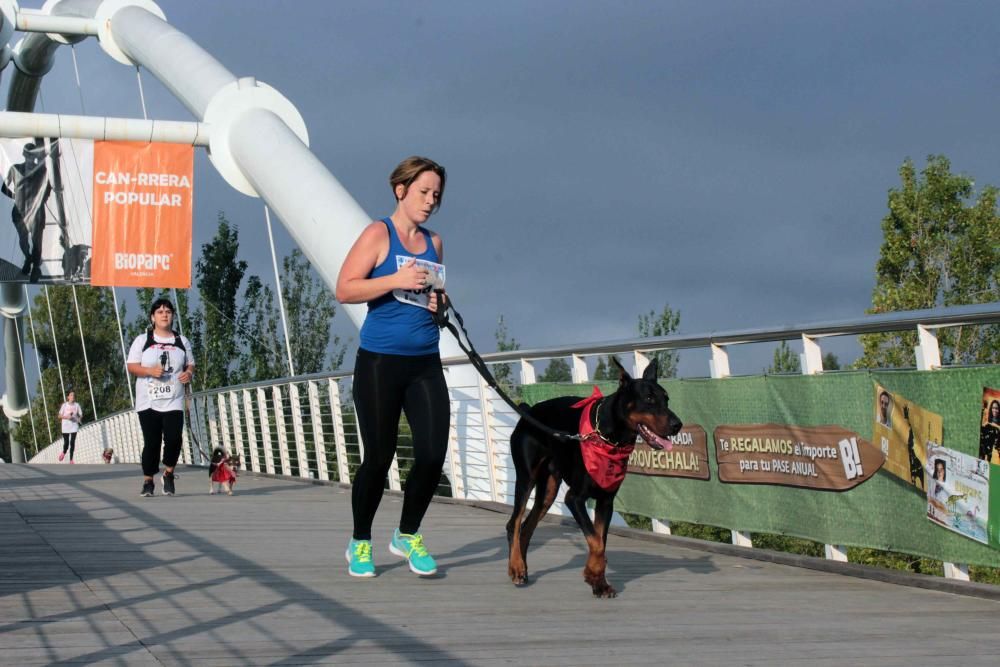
(606, 462)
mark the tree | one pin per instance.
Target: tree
(605, 370)
(103, 355)
(262, 357)
(831, 362)
(310, 307)
(664, 324)
(557, 371)
(218, 276)
(505, 343)
(941, 247)
(785, 360)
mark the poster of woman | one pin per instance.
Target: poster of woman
(958, 491)
(989, 426)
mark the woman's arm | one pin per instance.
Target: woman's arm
(353, 283)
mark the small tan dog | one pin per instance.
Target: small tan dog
(222, 472)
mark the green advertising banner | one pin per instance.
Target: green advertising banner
(882, 512)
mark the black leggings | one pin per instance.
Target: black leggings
(69, 443)
(160, 427)
(385, 384)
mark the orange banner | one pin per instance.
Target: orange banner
(142, 214)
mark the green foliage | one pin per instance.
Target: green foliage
(787, 544)
(557, 371)
(245, 342)
(504, 373)
(785, 360)
(309, 308)
(831, 362)
(606, 371)
(103, 354)
(664, 324)
(218, 277)
(941, 247)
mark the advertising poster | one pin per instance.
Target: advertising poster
(989, 426)
(827, 458)
(142, 214)
(958, 491)
(687, 458)
(903, 431)
(45, 222)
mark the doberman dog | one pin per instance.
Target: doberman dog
(543, 461)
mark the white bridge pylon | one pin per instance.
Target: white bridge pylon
(256, 138)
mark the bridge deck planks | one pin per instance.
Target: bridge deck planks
(90, 573)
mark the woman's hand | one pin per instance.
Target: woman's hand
(411, 276)
(433, 304)
(154, 371)
(186, 376)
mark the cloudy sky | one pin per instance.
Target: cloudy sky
(730, 159)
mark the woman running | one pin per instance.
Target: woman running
(398, 366)
(161, 360)
(71, 415)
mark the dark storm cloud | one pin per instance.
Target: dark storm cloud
(731, 159)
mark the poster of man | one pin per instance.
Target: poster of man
(903, 430)
(989, 426)
(47, 186)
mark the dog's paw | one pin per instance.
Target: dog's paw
(605, 590)
(518, 575)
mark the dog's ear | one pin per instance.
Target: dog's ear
(651, 370)
(624, 376)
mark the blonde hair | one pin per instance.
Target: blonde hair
(409, 169)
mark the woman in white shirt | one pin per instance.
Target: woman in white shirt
(162, 362)
(71, 415)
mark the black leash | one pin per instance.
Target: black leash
(188, 401)
(442, 320)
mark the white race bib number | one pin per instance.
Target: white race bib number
(420, 297)
(162, 392)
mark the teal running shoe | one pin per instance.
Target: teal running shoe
(359, 557)
(411, 547)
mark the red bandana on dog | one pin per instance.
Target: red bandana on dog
(605, 461)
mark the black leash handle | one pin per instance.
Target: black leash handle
(442, 320)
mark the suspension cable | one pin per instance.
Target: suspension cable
(281, 300)
(55, 343)
(38, 363)
(86, 363)
(114, 292)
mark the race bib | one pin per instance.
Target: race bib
(420, 297)
(162, 392)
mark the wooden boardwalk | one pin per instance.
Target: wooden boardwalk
(90, 573)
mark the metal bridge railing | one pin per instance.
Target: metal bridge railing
(305, 426)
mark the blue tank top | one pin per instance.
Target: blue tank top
(393, 327)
